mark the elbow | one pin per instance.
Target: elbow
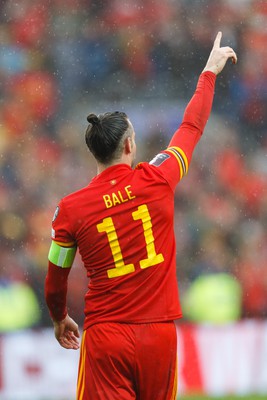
(194, 127)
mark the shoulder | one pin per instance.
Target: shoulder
(73, 196)
(152, 171)
(146, 168)
(170, 165)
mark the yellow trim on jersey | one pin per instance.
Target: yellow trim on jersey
(184, 157)
(81, 374)
(179, 162)
(61, 244)
(180, 156)
(175, 383)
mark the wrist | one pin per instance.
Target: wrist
(214, 69)
(58, 319)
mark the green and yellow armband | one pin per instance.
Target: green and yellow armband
(61, 256)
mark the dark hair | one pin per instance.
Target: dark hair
(104, 133)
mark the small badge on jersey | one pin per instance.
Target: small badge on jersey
(56, 214)
(159, 159)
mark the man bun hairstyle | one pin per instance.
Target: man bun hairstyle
(93, 119)
(104, 135)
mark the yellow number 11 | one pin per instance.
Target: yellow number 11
(121, 268)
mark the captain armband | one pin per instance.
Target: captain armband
(61, 256)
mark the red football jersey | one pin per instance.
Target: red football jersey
(122, 223)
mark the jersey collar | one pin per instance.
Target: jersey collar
(112, 172)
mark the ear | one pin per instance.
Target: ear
(128, 145)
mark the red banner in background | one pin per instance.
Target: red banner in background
(212, 360)
(220, 360)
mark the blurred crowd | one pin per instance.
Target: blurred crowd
(62, 59)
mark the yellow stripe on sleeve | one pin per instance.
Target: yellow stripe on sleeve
(179, 162)
(181, 159)
(184, 157)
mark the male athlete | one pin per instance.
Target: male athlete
(122, 224)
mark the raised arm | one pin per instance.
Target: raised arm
(195, 117)
(198, 110)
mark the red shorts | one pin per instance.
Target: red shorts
(128, 361)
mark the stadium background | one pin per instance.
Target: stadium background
(60, 60)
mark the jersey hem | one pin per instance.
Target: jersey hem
(88, 324)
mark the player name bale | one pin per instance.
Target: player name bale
(119, 197)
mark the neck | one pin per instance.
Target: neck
(123, 160)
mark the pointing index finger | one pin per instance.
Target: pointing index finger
(217, 41)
